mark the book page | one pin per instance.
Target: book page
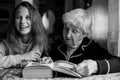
(65, 64)
(60, 66)
(66, 67)
(33, 64)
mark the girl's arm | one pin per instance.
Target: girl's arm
(12, 60)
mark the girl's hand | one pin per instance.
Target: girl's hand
(46, 60)
(33, 55)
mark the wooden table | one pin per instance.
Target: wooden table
(111, 76)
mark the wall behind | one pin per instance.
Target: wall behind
(6, 7)
(99, 13)
(113, 29)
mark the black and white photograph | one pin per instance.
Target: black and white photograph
(59, 39)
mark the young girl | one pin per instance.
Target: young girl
(26, 39)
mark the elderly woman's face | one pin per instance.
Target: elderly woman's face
(73, 35)
(23, 20)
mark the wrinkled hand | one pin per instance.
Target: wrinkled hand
(87, 67)
(46, 60)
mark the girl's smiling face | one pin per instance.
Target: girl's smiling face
(23, 20)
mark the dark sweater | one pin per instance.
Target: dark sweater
(88, 49)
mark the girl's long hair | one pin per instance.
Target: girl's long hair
(38, 31)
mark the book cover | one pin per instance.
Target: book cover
(35, 70)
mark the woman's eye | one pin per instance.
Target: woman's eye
(74, 31)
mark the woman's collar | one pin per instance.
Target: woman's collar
(86, 41)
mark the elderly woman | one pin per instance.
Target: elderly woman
(78, 47)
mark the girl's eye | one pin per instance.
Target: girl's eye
(18, 17)
(28, 17)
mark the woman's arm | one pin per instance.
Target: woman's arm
(108, 65)
(88, 67)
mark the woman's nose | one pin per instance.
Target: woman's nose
(69, 34)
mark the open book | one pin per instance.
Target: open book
(60, 66)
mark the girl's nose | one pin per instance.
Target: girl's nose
(23, 20)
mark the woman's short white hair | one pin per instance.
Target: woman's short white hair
(80, 18)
